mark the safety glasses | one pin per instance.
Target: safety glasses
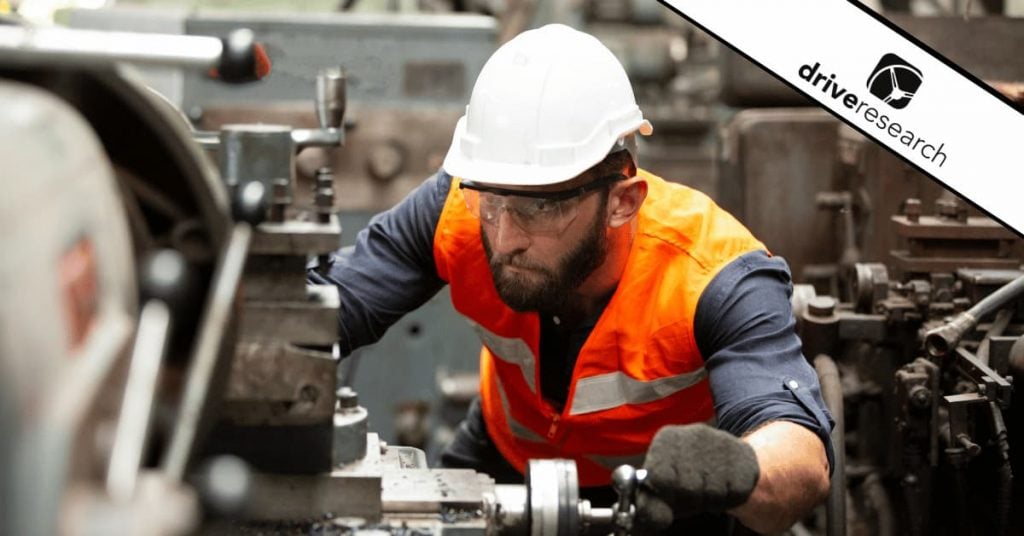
(541, 213)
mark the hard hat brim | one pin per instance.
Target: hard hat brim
(504, 173)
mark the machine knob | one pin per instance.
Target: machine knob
(165, 276)
(626, 480)
(242, 59)
(347, 397)
(249, 204)
(224, 484)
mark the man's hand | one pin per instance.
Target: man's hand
(692, 469)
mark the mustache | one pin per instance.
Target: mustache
(516, 260)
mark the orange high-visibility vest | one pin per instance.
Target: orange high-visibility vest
(640, 368)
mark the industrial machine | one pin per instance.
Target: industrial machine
(925, 342)
(166, 368)
(907, 297)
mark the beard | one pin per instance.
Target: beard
(548, 290)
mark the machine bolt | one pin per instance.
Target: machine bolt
(947, 208)
(972, 448)
(324, 195)
(921, 397)
(347, 398)
(324, 178)
(308, 393)
(281, 198)
(821, 306)
(912, 209)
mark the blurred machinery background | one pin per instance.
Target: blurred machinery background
(180, 281)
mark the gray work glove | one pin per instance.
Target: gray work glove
(692, 469)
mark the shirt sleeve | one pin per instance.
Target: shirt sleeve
(745, 329)
(390, 270)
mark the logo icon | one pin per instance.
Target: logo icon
(894, 81)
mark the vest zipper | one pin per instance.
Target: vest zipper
(553, 429)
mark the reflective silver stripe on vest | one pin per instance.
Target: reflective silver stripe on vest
(614, 389)
(512, 351)
(517, 429)
(636, 460)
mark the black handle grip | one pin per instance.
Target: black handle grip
(242, 59)
(250, 203)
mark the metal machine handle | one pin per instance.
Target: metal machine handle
(234, 57)
(165, 283)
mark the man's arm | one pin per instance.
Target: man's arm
(390, 271)
(793, 479)
(764, 389)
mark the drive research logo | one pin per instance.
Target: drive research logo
(894, 81)
(866, 115)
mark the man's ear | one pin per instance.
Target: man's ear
(624, 201)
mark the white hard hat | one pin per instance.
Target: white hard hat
(548, 105)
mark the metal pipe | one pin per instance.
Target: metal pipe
(1004, 473)
(940, 341)
(832, 393)
(50, 44)
(875, 492)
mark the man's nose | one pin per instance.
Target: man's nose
(509, 237)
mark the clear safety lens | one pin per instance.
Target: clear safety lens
(535, 215)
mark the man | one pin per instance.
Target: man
(619, 314)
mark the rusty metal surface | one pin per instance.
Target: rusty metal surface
(389, 151)
(909, 264)
(274, 383)
(776, 161)
(301, 497)
(976, 228)
(943, 244)
(275, 277)
(294, 237)
(312, 322)
(884, 184)
(428, 491)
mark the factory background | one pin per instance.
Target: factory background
(363, 97)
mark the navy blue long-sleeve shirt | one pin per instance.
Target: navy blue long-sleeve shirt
(744, 324)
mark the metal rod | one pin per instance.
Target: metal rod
(209, 344)
(103, 47)
(133, 424)
(319, 137)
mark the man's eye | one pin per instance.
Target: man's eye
(489, 203)
(543, 206)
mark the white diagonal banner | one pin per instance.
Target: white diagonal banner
(885, 85)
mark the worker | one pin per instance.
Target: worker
(624, 318)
